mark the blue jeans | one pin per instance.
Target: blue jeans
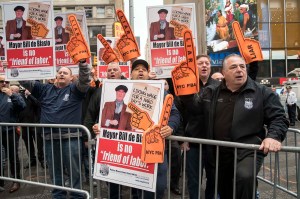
(161, 183)
(192, 170)
(69, 151)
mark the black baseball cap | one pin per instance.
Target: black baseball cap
(139, 62)
(163, 10)
(19, 8)
(1, 37)
(58, 18)
(121, 87)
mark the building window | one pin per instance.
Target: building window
(57, 10)
(88, 12)
(95, 30)
(70, 9)
(100, 12)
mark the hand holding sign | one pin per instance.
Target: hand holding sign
(185, 75)
(77, 46)
(139, 119)
(109, 54)
(249, 48)
(37, 29)
(127, 44)
(153, 142)
(178, 28)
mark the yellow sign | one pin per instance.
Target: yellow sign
(118, 29)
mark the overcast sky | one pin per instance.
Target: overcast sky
(140, 19)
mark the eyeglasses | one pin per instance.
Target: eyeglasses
(2, 81)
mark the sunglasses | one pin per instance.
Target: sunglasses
(2, 81)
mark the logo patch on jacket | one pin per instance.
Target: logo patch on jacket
(8, 99)
(248, 103)
(66, 98)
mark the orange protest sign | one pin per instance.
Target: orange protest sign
(77, 46)
(153, 144)
(185, 75)
(139, 119)
(109, 54)
(249, 48)
(37, 29)
(178, 28)
(127, 44)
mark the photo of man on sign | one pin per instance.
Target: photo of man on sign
(114, 113)
(16, 29)
(160, 29)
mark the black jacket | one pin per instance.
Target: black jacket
(255, 106)
(192, 112)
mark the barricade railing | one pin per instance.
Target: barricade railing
(286, 170)
(274, 173)
(60, 139)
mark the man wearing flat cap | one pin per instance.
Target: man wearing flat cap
(160, 29)
(61, 36)
(1, 48)
(16, 29)
(114, 113)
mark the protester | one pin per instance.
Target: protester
(217, 76)
(31, 114)
(258, 107)
(10, 106)
(194, 120)
(291, 100)
(92, 115)
(140, 70)
(61, 104)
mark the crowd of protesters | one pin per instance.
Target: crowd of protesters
(68, 101)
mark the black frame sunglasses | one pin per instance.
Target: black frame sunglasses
(2, 81)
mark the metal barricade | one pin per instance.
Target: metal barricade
(278, 174)
(60, 140)
(281, 170)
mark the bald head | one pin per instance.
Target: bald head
(217, 76)
(113, 71)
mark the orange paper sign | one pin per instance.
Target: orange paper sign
(249, 48)
(127, 44)
(38, 29)
(178, 28)
(139, 119)
(109, 54)
(153, 145)
(185, 75)
(77, 46)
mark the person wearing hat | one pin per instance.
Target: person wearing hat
(140, 71)
(61, 36)
(291, 100)
(16, 29)
(160, 29)
(114, 113)
(2, 53)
